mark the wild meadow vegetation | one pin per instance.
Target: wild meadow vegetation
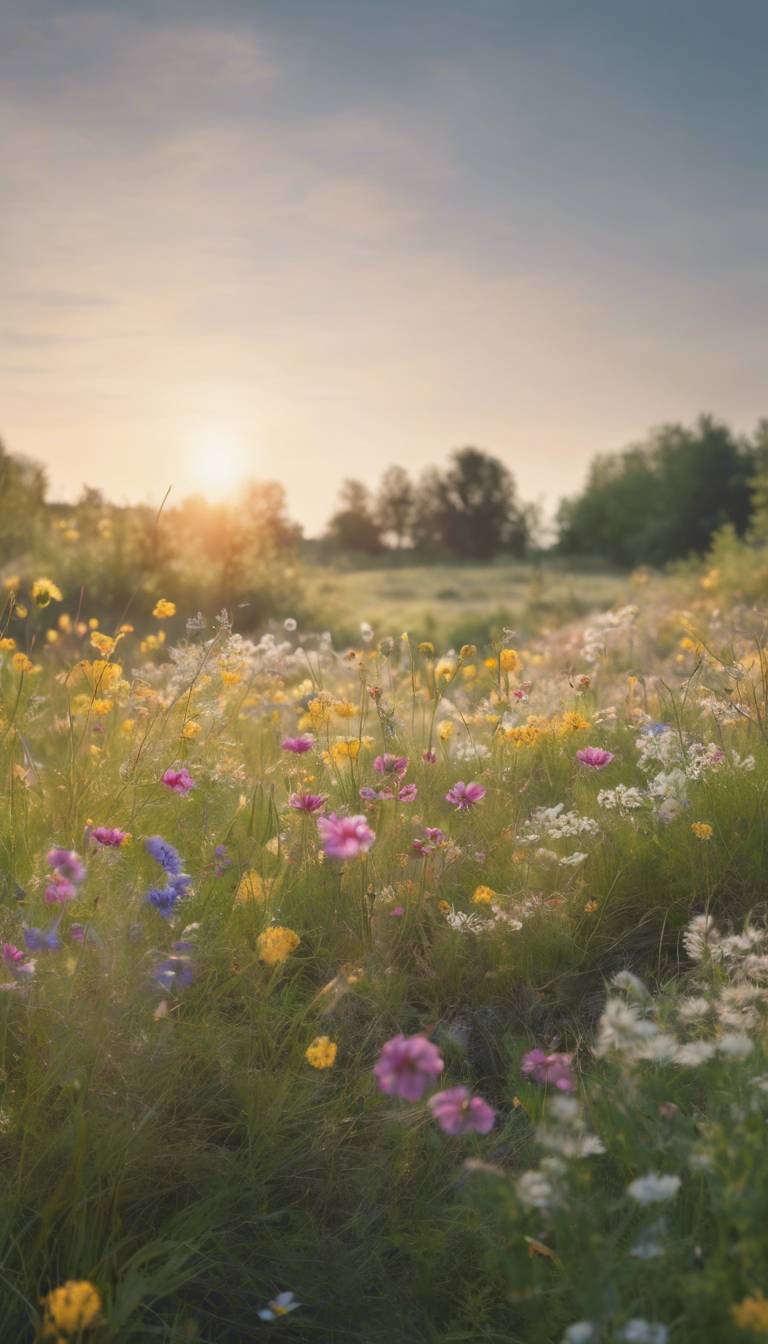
(386, 991)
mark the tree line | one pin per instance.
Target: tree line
(654, 501)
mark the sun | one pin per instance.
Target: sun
(217, 465)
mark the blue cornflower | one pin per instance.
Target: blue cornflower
(163, 899)
(655, 729)
(43, 940)
(164, 854)
(174, 973)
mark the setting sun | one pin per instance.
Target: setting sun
(218, 465)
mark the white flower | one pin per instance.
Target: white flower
(534, 1190)
(620, 799)
(700, 936)
(653, 1188)
(696, 1052)
(289, 624)
(465, 923)
(692, 1009)
(581, 1332)
(659, 1049)
(735, 1045)
(631, 984)
(279, 1306)
(573, 860)
(622, 1027)
(639, 1331)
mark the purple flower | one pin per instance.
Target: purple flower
(164, 899)
(43, 940)
(406, 1066)
(432, 839)
(59, 890)
(595, 757)
(345, 837)
(397, 911)
(12, 955)
(179, 781)
(174, 973)
(67, 862)
(164, 854)
(298, 745)
(463, 796)
(109, 836)
(458, 1112)
(554, 1069)
(429, 757)
(308, 802)
(369, 795)
(407, 793)
(391, 765)
(221, 860)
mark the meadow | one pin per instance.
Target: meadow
(405, 989)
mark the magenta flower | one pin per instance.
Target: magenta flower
(432, 839)
(391, 765)
(550, 1070)
(463, 796)
(429, 757)
(406, 1066)
(595, 757)
(67, 863)
(308, 802)
(59, 890)
(12, 955)
(298, 745)
(109, 836)
(407, 793)
(458, 1112)
(397, 911)
(345, 837)
(179, 781)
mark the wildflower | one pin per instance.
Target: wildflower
(653, 1188)
(179, 781)
(44, 592)
(43, 940)
(290, 624)
(391, 765)
(298, 745)
(250, 888)
(429, 757)
(165, 899)
(464, 923)
(446, 730)
(164, 854)
(176, 972)
(594, 757)
(279, 1306)
(751, 1314)
(464, 796)
(321, 1053)
(554, 1069)
(639, 1331)
(70, 1309)
(702, 830)
(190, 730)
(276, 944)
(345, 837)
(581, 1332)
(590, 907)
(163, 609)
(458, 1112)
(483, 895)
(433, 839)
(509, 660)
(406, 1066)
(109, 836)
(308, 802)
(67, 862)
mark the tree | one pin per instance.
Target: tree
(354, 527)
(477, 509)
(22, 502)
(395, 504)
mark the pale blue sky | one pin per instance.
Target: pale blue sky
(308, 238)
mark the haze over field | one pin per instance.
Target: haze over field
(305, 241)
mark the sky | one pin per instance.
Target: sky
(307, 239)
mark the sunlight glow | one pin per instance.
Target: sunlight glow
(218, 465)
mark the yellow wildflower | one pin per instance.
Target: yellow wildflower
(590, 907)
(44, 591)
(509, 660)
(426, 648)
(7, 645)
(51, 636)
(190, 730)
(276, 944)
(12, 583)
(104, 643)
(446, 730)
(163, 609)
(22, 663)
(467, 651)
(321, 1054)
(702, 830)
(345, 709)
(250, 887)
(68, 1310)
(483, 895)
(573, 722)
(751, 1314)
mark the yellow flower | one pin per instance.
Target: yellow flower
(22, 663)
(101, 706)
(276, 944)
(525, 735)
(21, 611)
(321, 1054)
(702, 830)
(345, 709)
(426, 648)
(127, 726)
(73, 1307)
(93, 622)
(104, 643)
(250, 888)
(573, 722)
(590, 907)
(483, 895)
(751, 1314)
(443, 907)
(100, 675)
(7, 645)
(44, 591)
(230, 678)
(51, 636)
(163, 609)
(467, 651)
(190, 730)
(509, 660)
(446, 730)
(12, 583)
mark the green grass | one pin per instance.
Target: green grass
(173, 1146)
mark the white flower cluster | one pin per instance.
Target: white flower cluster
(565, 1137)
(554, 823)
(604, 629)
(624, 798)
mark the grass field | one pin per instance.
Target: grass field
(387, 996)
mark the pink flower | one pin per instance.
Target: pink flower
(308, 802)
(391, 765)
(554, 1070)
(67, 862)
(109, 836)
(345, 837)
(432, 839)
(406, 1066)
(59, 889)
(12, 955)
(458, 1112)
(463, 796)
(179, 781)
(407, 793)
(595, 757)
(298, 745)
(429, 757)
(397, 911)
